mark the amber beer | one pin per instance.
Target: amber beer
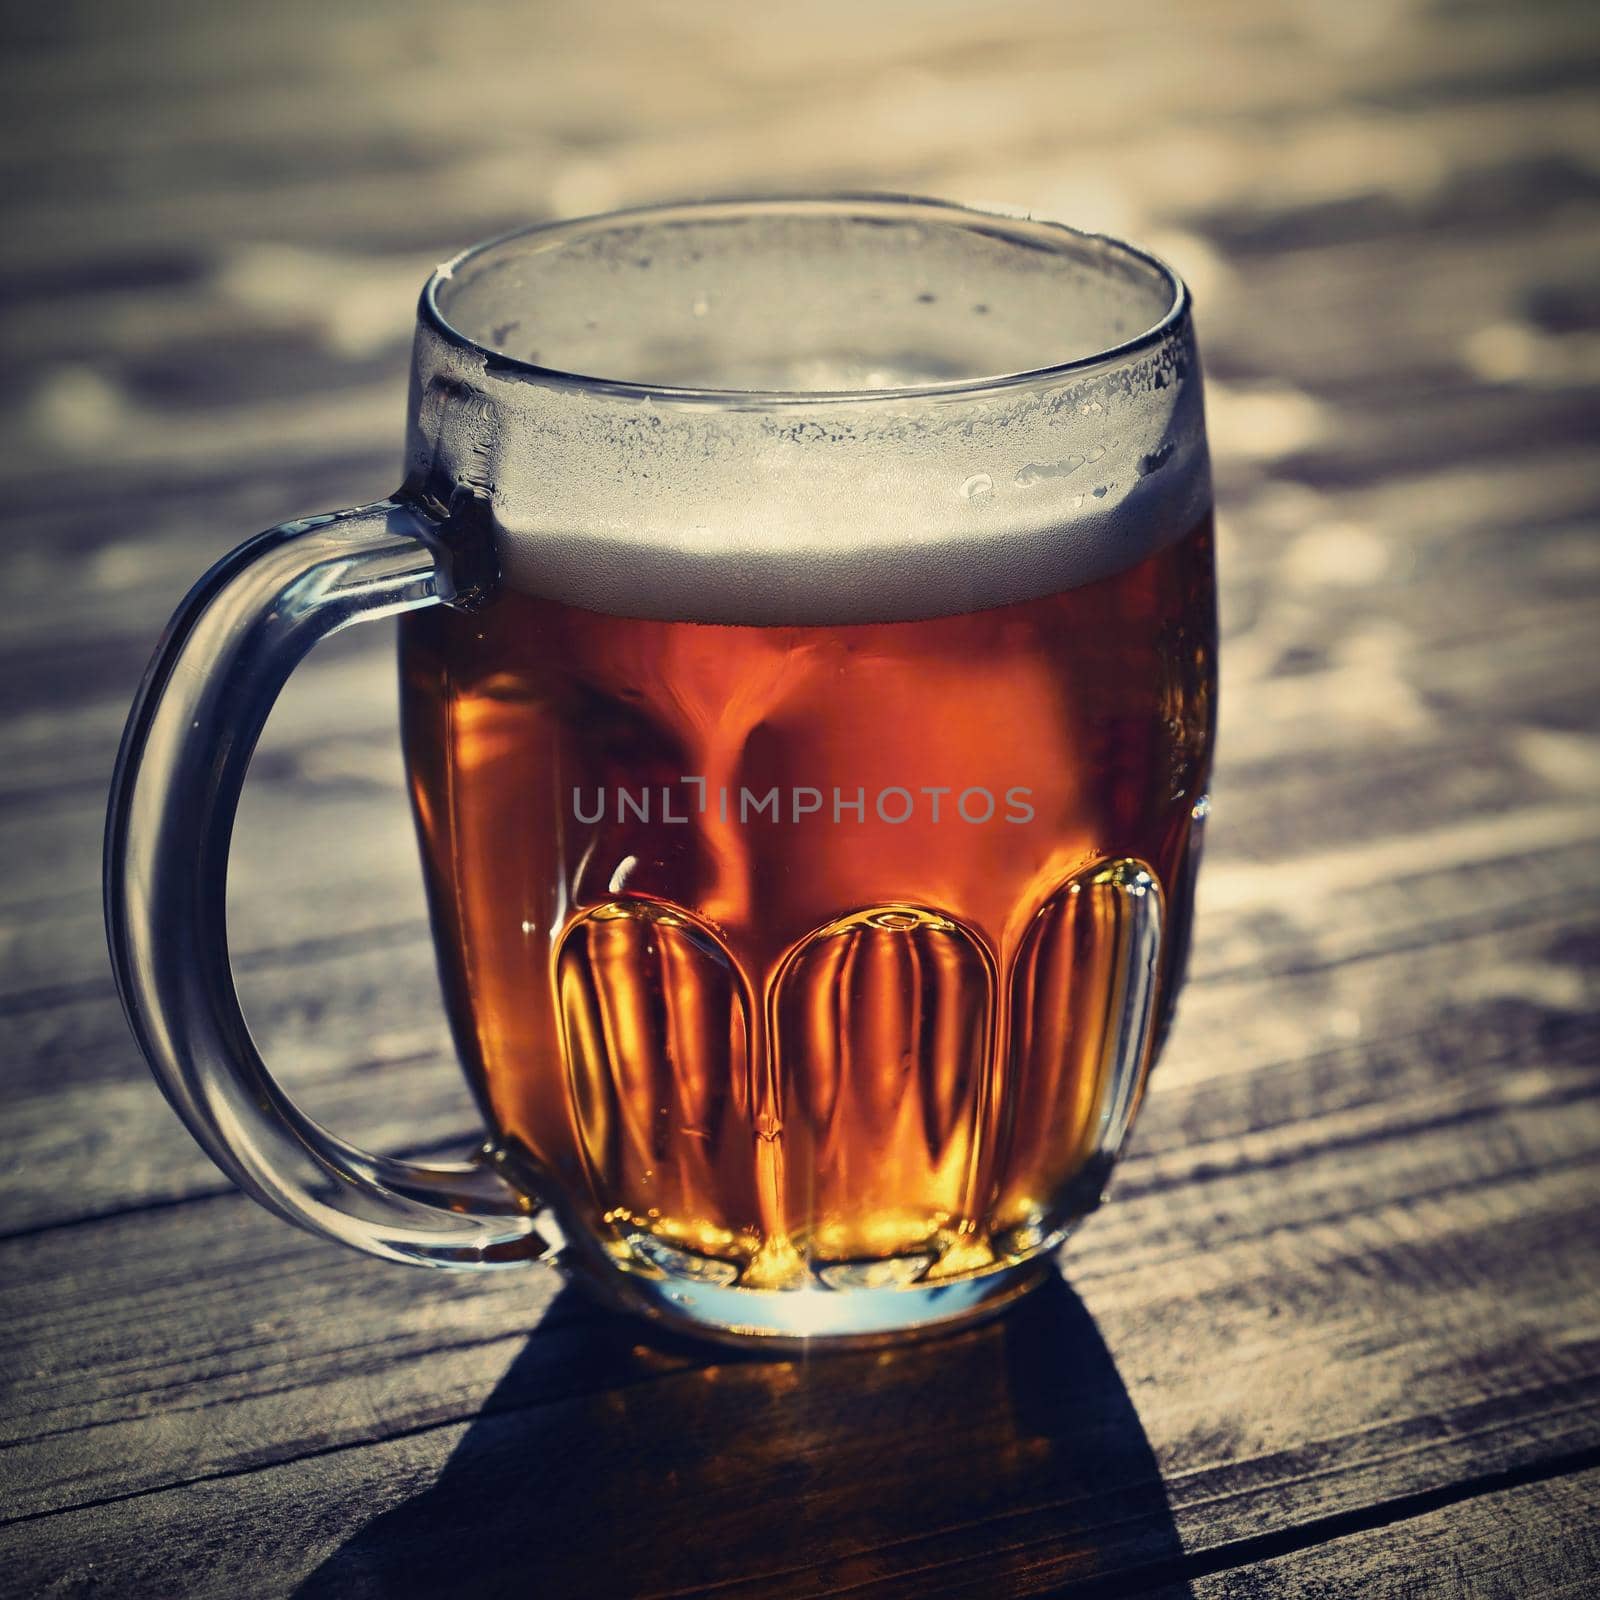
(796, 948)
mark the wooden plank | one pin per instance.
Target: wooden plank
(337, 1018)
(99, 1139)
(1443, 525)
(276, 74)
(1356, 667)
(1326, 833)
(1371, 311)
(326, 807)
(330, 303)
(91, 564)
(1535, 1538)
(1255, 1390)
(240, 411)
(1492, 796)
(699, 135)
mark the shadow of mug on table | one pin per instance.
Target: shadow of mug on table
(611, 1462)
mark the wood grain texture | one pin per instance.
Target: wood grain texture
(1336, 1333)
(1532, 1539)
(1388, 1127)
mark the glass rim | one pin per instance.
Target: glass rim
(979, 218)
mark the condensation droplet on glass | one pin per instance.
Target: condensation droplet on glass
(977, 486)
(1037, 471)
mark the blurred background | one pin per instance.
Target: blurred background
(214, 221)
(217, 219)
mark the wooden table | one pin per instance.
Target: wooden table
(1338, 1334)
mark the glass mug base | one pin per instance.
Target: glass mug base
(950, 1284)
(843, 1319)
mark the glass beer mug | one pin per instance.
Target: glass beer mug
(807, 638)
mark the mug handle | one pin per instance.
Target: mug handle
(220, 665)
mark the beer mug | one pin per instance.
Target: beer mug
(807, 637)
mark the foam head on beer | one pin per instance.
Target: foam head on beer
(893, 459)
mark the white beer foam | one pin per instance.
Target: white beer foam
(817, 505)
